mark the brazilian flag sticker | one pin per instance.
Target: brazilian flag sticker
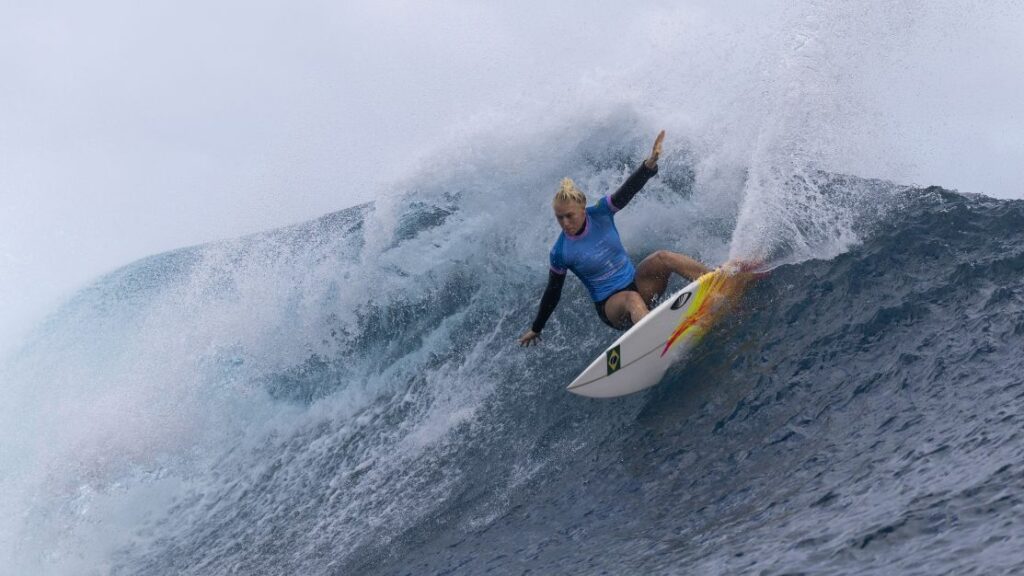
(614, 359)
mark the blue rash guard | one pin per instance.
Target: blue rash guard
(595, 254)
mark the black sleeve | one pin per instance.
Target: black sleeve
(632, 185)
(550, 299)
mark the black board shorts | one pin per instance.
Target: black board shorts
(623, 323)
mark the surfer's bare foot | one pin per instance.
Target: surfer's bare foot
(745, 267)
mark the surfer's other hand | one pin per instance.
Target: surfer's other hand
(529, 339)
(656, 151)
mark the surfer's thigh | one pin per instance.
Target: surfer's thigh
(652, 276)
(653, 273)
(618, 306)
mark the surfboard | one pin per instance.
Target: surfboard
(642, 355)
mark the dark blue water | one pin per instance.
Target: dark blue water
(345, 397)
(862, 416)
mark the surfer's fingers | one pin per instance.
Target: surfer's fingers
(528, 340)
(656, 150)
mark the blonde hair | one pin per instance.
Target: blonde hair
(568, 192)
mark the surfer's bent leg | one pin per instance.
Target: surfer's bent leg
(653, 273)
(623, 309)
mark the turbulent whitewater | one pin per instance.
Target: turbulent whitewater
(345, 396)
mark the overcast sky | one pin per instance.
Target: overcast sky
(129, 128)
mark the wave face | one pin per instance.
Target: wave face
(345, 396)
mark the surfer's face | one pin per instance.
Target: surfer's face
(570, 216)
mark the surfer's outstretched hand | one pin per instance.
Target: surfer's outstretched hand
(529, 339)
(656, 151)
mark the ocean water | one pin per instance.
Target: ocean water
(345, 396)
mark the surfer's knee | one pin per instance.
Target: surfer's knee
(670, 260)
(635, 299)
(656, 263)
(636, 306)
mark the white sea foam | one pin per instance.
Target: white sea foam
(255, 365)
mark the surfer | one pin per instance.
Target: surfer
(590, 247)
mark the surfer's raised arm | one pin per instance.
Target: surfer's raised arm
(647, 169)
(590, 246)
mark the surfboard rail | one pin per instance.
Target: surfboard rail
(639, 358)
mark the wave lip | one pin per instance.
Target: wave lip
(856, 418)
(345, 396)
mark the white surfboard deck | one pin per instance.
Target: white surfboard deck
(642, 355)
